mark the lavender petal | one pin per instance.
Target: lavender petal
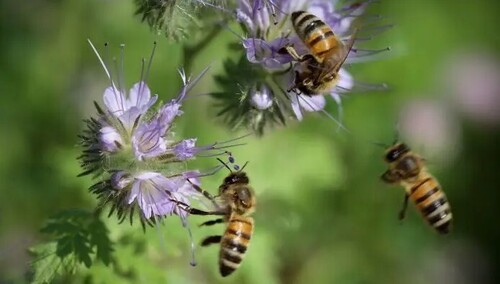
(312, 103)
(186, 149)
(115, 101)
(109, 138)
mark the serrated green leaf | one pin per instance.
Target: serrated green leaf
(99, 239)
(59, 227)
(77, 232)
(46, 265)
(82, 249)
(64, 246)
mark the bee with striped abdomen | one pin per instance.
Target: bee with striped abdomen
(320, 68)
(236, 206)
(407, 169)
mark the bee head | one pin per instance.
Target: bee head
(237, 175)
(396, 152)
(236, 178)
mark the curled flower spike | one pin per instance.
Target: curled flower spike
(135, 154)
(256, 90)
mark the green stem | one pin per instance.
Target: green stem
(190, 52)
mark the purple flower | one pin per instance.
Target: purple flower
(186, 149)
(110, 139)
(120, 180)
(307, 103)
(148, 140)
(262, 98)
(123, 112)
(261, 52)
(268, 30)
(128, 109)
(268, 42)
(141, 163)
(157, 195)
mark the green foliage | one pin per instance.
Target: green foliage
(79, 236)
(178, 19)
(168, 16)
(47, 264)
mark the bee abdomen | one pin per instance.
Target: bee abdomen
(432, 203)
(234, 244)
(315, 33)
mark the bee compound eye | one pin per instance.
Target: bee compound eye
(244, 194)
(392, 155)
(245, 203)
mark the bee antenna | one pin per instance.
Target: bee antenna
(231, 161)
(225, 165)
(243, 166)
(396, 135)
(381, 144)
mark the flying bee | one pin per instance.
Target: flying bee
(320, 68)
(237, 204)
(408, 170)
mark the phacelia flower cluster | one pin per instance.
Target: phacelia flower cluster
(256, 87)
(132, 149)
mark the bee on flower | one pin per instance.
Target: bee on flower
(266, 84)
(130, 147)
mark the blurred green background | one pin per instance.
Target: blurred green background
(323, 215)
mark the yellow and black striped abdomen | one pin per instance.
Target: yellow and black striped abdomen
(316, 35)
(234, 243)
(432, 203)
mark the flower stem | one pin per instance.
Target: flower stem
(190, 52)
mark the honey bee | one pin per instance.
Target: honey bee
(320, 68)
(408, 170)
(238, 203)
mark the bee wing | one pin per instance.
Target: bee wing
(347, 50)
(216, 204)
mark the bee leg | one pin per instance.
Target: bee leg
(283, 50)
(196, 211)
(293, 53)
(201, 190)
(402, 213)
(308, 57)
(204, 192)
(210, 240)
(212, 222)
